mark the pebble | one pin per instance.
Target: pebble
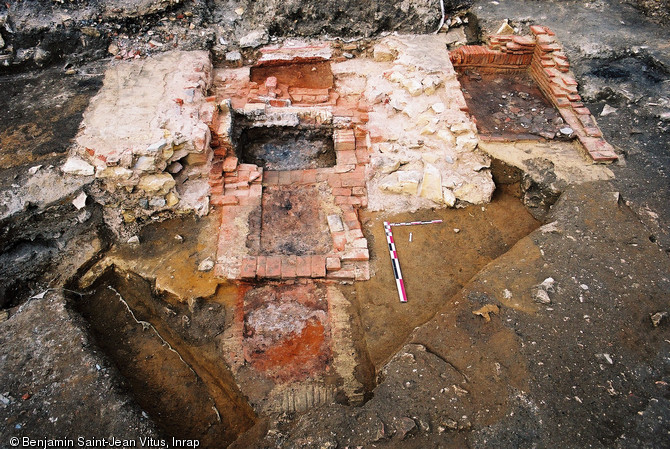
(456, 230)
(658, 317)
(206, 265)
(134, 240)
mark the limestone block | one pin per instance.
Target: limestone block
(160, 183)
(431, 185)
(77, 166)
(382, 52)
(145, 164)
(448, 197)
(401, 182)
(114, 173)
(466, 142)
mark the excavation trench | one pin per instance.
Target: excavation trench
(204, 368)
(169, 356)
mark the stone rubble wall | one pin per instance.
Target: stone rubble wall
(424, 143)
(146, 135)
(543, 57)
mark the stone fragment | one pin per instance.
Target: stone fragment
(80, 201)
(115, 173)
(174, 168)
(382, 52)
(505, 28)
(145, 164)
(206, 265)
(404, 426)
(160, 183)
(406, 182)
(438, 108)
(134, 240)
(486, 310)
(413, 86)
(233, 56)
(335, 223)
(33, 170)
(77, 166)
(431, 185)
(607, 110)
(658, 317)
(448, 197)
(255, 39)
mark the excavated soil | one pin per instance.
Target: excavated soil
(169, 357)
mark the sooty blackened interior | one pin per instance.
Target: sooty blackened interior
(509, 105)
(293, 222)
(287, 148)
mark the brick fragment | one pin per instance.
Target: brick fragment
(303, 266)
(229, 164)
(318, 266)
(261, 262)
(248, 268)
(289, 267)
(339, 241)
(356, 254)
(273, 267)
(333, 263)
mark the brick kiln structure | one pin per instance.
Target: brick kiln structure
(282, 97)
(542, 56)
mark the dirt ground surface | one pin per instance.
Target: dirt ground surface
(517, 332)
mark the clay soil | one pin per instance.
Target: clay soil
(436, 264)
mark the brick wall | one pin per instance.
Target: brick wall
(542, 56)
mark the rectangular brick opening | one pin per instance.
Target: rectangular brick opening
(287, 148)
(509, 104)
(290, 222)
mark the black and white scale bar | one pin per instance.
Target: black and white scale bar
(395, 263)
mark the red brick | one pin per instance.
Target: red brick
(271, 178)
(273, 267)
(344, 140)
(339, 241)
(346, 274)
(284, 178)
(271, 82)
(229, 200)
(335, 180)
(318, 266)
(333, 263)
(248, 268)
(353, 179)
(347, 157)
(582, 111)
(342, 191)
(363, 272)
(356, 254)
(358, 191)
(288, 267)
(303, 266)
(309, 176)
(355, 234)
(230, 164)
(256, 190)
(536, 29)
(261, 262)
(362, 156)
